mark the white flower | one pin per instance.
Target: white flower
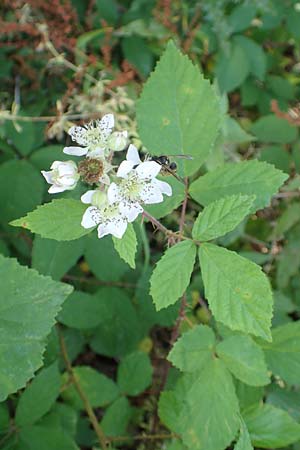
(108, 217)
(138, 186)
(92, 137)
(63, 176)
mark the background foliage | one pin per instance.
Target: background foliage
(113, 358)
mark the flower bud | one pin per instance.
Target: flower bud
(117, 141)
(63, 176)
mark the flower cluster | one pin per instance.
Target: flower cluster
(118, 193)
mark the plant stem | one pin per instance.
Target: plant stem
(156, 223)
(103, 441)
(184, 205)
(146, 437)
(122, 284)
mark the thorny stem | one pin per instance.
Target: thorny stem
(178, 236)
(103, 441)
(156, 223)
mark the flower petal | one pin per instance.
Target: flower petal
(148, 169)
(124, 168)
(47, 175)
(87, 197)
(117, 228)
(106, 124)
(91, 217)
(164, 187)
(76, 151)
(66, 168)
(78, 134)
(132, 155)
(130, 210)
(54, 189)
(113, 193)
(105, 179)
(97, 152)
(151, 194)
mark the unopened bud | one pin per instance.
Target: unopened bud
(117, 141)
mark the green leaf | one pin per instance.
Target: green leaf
(247, 178)
(245, 359)
(241, 17)
(138, 53)
(172, 274)
(285, 270)
(248, 395)
(194, 349)
(59, 220)
(43, 157)
(244, 441)
(27, 135)
(102, 258)
(209, 401)
(237, 290)
(62, 416)
(117, 417)
(126, 247)
(287, 220)
(289, 400)
(178, 112)
(255, 54)
(169, 409)
(281, 87)
(29, 303)
(271, 427)
(85, 38)
(274, 129)
(4, 418)
(232, 132)
(85, 311)
(283, 354)
(134, 373)
(120, 330)
(222, 216)
(21, 189)
(39, 396)
(99, 389)
(276, 155)
(40, 437)
(55, 258)
(232, 68)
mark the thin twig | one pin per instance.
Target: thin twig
(103, 441)
(288, 194)
(99, 282)
(144, 437)
(14, 117)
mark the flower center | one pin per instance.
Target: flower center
(131, 187)
(91, 170)
(94, 137)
